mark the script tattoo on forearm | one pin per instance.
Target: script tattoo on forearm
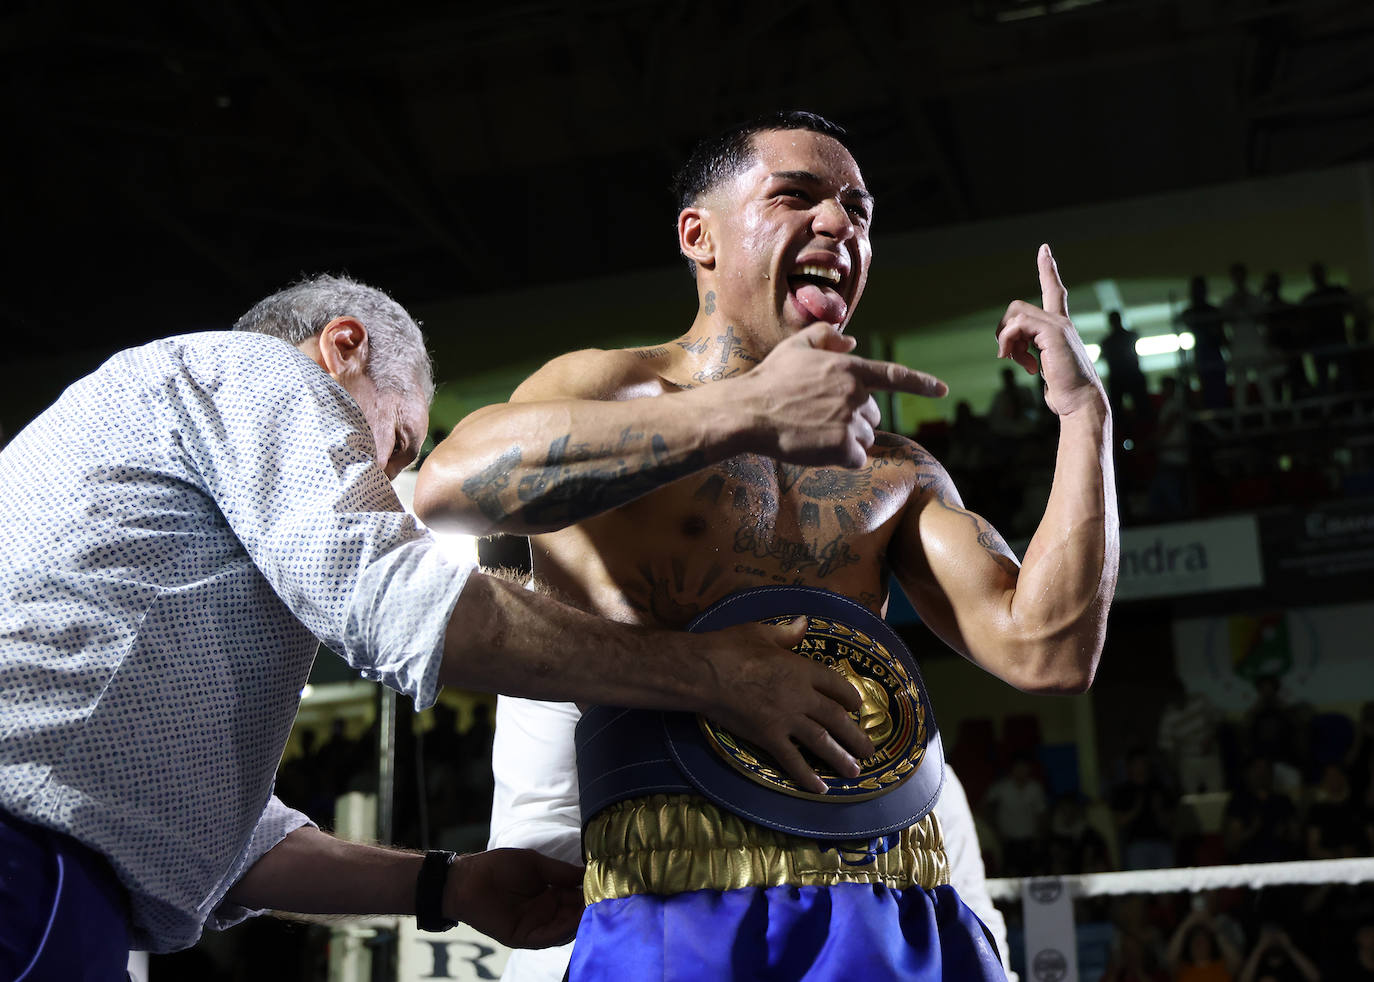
(484, 488)
(576, 481)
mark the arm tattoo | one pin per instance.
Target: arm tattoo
(485, 487)
(988, 537)
(932, 477)
(577, 481)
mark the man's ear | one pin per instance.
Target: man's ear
(343, 348)
(694, 236)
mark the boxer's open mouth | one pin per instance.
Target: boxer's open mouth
(814, 287)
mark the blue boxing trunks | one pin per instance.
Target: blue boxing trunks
(704, 861)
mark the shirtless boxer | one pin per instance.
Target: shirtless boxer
(656, 481)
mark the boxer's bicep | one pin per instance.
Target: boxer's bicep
(958, 572)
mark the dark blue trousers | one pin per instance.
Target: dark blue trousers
(62, 913)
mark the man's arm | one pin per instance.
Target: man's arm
(516, 896)
(504, 638)
(1039, 626)
(594, 430)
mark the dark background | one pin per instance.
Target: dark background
(169, 163)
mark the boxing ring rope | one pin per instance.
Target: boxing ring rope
(1047, 902)
(1194, 878)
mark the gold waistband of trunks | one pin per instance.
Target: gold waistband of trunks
(675, 843)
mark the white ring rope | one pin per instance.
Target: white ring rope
(1196, 878)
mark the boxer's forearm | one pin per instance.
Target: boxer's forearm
(527, 468)
(1064, 589)
(311, 872)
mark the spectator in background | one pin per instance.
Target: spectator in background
(1203, 321)
(1354, 961)
(1075, 846)
(1286, 327)
(1334, 827)
(1359, 759)
(1188, 734)
(1124, 377)
(1012, 411)
(1273, 727)
(1144, 811)
(1169, 489)
(1139, 946)
(1277, 959)
(969, 452)
(1198, 952)
(1016, 805)
(1327, 307)
(1242, 314)
(1131, 961)
(1260, 825)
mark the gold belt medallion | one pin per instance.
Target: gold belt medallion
(892, 715)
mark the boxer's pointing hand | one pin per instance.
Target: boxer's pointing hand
(813, 401)
(1070, 379)
(772, 696)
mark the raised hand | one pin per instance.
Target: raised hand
(777, 699)
(1071, 382)
(813, 399)
(517, 896)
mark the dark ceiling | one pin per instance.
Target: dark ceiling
(169, 163)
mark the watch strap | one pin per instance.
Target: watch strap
(429, 891)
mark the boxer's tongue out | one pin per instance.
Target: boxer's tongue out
(814, 290)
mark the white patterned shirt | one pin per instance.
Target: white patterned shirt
(176, 532)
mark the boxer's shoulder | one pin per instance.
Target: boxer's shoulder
(598, 373)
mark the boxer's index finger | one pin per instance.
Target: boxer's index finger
(891, 377)
(1053, 297)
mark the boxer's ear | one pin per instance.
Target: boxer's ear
(343, 348)
(694, 236)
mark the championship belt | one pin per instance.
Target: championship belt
(625, 753)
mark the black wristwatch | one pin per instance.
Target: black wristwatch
(429, 891)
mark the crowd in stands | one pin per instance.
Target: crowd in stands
(1260, 411)
(1281, 782)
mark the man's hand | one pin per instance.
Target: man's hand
(772, 696)
(517, 896)
(1071, 382)
(813, 399)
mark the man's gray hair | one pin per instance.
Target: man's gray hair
(397, 361)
